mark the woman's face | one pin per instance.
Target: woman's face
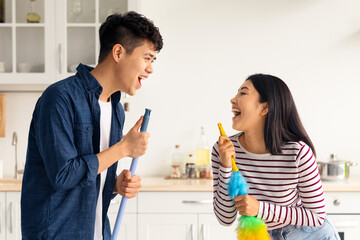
(249, 113)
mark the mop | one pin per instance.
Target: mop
(134, 163)
(250, 227)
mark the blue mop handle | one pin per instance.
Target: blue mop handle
(134, 163)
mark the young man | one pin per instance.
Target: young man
(75, 137)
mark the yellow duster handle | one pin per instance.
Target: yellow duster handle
(222, 133)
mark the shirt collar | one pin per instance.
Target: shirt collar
(91, 84)
(89, 81)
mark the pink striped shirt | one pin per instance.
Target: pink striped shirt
(287, 185)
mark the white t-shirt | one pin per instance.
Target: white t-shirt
(105, 127)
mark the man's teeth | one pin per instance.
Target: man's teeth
(141, 77)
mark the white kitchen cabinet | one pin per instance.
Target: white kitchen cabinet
(179, 215)
(128, 228)
(38, 54)
(344, 212)
(211, 229)
(2, 215)
(160, 226)
(26, 48)
(10, 228)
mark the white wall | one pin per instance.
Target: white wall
(19, 108)
(211, 46)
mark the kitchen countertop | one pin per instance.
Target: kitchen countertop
(10, 185)
(160, 184)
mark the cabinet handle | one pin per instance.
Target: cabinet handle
(202, 231)
(192, 231)
(197, 201)
(11, 217)
(60, 60)
(336, 202)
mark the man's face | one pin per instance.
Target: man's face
(135, 67)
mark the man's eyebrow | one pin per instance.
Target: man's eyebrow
(151, 55)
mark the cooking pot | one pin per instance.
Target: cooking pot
(334, 169)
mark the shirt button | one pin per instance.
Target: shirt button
(88, 128)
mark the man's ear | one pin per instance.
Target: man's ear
(265, 109)
(118, 51)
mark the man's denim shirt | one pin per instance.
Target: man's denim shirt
(60, 185)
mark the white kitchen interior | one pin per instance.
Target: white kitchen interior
(210, 47)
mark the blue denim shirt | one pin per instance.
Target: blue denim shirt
(60, 184)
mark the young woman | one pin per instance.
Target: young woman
(277, 158)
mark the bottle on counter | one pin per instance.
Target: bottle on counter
(175, 171)
(203, 156)
(190, 166)
(205, 171)
(177, 162)
(202, 150)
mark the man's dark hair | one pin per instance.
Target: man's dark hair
(283, 123)
(129, 30)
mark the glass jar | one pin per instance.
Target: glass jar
(33, 16)
(175, 171)
(205, 171)
(191, 170)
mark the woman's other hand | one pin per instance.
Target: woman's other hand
(247, 205)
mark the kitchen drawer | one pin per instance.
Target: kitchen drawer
(131, 205)
(342, 202)
(348, 226)
(175, 202)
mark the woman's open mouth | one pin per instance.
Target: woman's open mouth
(236, 112)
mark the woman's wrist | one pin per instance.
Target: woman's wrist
(225, 164)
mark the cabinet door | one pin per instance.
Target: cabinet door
(128, 228)
(13, 221)
(2, 215)
(342, 202)
(77, 31)
(348, 226)
(175, 202)
(211, 229)
(167, 226)
(26, 54)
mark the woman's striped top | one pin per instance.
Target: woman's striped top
(287, 185)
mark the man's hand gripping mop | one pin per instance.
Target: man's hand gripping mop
(250, 227)
(132, 169)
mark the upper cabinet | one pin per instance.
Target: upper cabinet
(26, 34)
(43, 41)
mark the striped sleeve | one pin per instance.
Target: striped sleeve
(224, 207)
(310, 209)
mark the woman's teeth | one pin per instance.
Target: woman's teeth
(236, 112)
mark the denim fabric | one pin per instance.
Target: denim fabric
(60, 183)
(324, 232)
